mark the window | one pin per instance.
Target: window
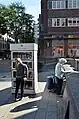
(77, 21)
(73, 4)
(63, 22)
(70, 22)
(69, 3)
(56, 22)
(50, 22)
(56, 4)
(77, 3)
(73, 21)
(62, 3)
(49, 4)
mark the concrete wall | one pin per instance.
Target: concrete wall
(71, 94)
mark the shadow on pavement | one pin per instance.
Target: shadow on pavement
(5, 94)
(30, 115)
(33, 95)
(6, 97)
(25, 106)
(30, 109)
(27, 109)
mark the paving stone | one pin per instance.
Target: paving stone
(41, 113)
(42, 106)
(30, 115)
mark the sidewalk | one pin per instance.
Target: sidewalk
(41, 106)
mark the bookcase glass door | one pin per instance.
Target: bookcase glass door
(27, 84)
(28, 63)
(30, 75)
(23, 55)
(14, 74)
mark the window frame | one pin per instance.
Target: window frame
(61, 4)
(48, 4)
(72, 24)
(71, 4)
(56, 4)
(54, 21)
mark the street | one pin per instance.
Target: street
(40, 34)
(5, 66)
(5, 70)
(43, 105)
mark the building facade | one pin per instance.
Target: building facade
(36, 32)
(5, 46)
(59, 35)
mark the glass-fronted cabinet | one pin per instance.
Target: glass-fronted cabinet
(28, 54)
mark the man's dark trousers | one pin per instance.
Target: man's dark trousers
(19, 81)
(59, 85)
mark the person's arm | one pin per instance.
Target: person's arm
(62, 69)
(26, 68)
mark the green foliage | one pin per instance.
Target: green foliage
(18, 21)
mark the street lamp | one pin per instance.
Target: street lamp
(16, 30)
(24, 29)
(8, 30)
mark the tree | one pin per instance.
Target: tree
(6, 15)
(17, 21)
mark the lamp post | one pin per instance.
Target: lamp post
(16, 28)
(8, 30)
(23, 30)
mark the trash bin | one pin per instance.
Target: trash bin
(50, 82)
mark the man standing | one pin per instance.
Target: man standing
(59, 73)
(21, 69)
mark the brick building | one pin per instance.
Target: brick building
(59, 22)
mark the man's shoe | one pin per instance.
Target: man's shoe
(20, 98)
(16, 99)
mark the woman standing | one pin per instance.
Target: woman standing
(21, 71)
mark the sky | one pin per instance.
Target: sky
(32, 6)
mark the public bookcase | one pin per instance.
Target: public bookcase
(28, 54)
